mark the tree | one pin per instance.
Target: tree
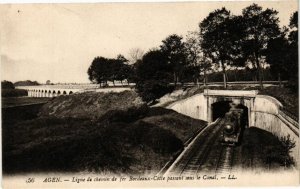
(174, 50)
(7, 85)
(198, 62)
(26, 83)
(153, 75)
(293, 51)
(104, 69)
(135, 54)
(217, 41)
(125, 72)
(193, 48)
(117, 71)
(260, 27)
(99, 70)
(277, 55)
(205, 66)
(293, 36)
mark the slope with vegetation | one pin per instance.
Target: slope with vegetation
(107, 133)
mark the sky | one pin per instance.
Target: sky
(58, 42)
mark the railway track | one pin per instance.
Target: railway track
(225, 160)
(196, 155)
(194, 159)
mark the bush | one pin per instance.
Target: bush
(153, 76)
(163, 141)
(278, 154)
(150, 90)
(13, 92)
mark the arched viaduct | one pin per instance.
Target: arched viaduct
(67, 89)
(264, 112)
(49, 90)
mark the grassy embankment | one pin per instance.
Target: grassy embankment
(108, 133)
(261, 150)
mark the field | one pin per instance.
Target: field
(13, 92)
(18, 101)
(132, 138)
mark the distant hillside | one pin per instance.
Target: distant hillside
(26, 83)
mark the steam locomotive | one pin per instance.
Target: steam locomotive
(232, 126)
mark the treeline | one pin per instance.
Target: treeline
(26, 83)
(103, 70)
(227, 47)
(8, 90)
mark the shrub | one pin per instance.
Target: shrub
(150, 90)
(280, 153)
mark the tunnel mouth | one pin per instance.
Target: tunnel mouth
(219, 109)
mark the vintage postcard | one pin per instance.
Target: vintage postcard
(149, 94)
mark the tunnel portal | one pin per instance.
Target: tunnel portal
(219, 109)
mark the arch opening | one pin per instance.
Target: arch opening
(219, 109)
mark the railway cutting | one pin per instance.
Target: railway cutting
(213, 148)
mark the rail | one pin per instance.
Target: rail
(192, 157)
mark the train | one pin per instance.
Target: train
(232, 126)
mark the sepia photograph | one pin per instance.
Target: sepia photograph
(149, 94)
